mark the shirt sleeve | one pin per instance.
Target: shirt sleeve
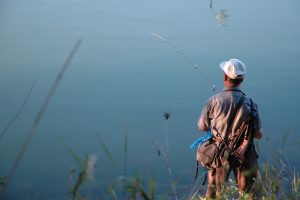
(204, 119)
(256, 122)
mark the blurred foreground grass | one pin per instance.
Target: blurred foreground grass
(277, 179)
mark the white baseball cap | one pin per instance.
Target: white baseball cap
(233, 68)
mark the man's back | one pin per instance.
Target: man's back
(220, 110)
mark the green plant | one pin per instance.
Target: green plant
(136, 189)
(84, 172)
(295, 186)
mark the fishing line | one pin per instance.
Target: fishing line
(185, 56)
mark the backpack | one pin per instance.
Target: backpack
(215, 152)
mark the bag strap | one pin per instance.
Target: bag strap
(237, 108)
(253, 115)
(205, 174)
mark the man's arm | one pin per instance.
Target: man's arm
(257, 126)
(204, 120)
(259, 134)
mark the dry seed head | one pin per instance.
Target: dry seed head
(167, 115)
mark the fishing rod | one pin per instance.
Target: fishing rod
(185, 56)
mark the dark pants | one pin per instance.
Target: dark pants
(245, 176)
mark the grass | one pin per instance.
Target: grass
(277, 179)
(16, 115)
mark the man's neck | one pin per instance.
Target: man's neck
(230, 85)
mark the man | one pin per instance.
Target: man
(223, 118)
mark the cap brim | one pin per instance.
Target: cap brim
(222, 65)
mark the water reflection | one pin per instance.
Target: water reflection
(220, 15)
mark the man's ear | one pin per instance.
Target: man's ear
(225, 77)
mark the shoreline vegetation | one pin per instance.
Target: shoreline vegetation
(277, 179)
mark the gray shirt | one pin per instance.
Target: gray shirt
(220, 109)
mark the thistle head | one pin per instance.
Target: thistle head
(167, 115)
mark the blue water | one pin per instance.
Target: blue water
(122, 79)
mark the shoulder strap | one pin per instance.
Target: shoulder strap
(232, 119)
(253, 115)
(237, 108)
(252, 107)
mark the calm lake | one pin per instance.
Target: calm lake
(122, 80)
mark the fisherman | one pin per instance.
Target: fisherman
(223, 119)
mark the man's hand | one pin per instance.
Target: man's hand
(259, 134)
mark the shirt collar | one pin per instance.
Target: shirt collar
(237, 88)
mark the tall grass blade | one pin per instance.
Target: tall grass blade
(152, 188)
(80, 180)
(168, 166)
(196, 187)
(18, 112)
(166, 154)
(284, 138)
(125, 157)
(107, 152)
(39, 116)
(112, 193)
(144, 194)
(166, 116)
(77, 158)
